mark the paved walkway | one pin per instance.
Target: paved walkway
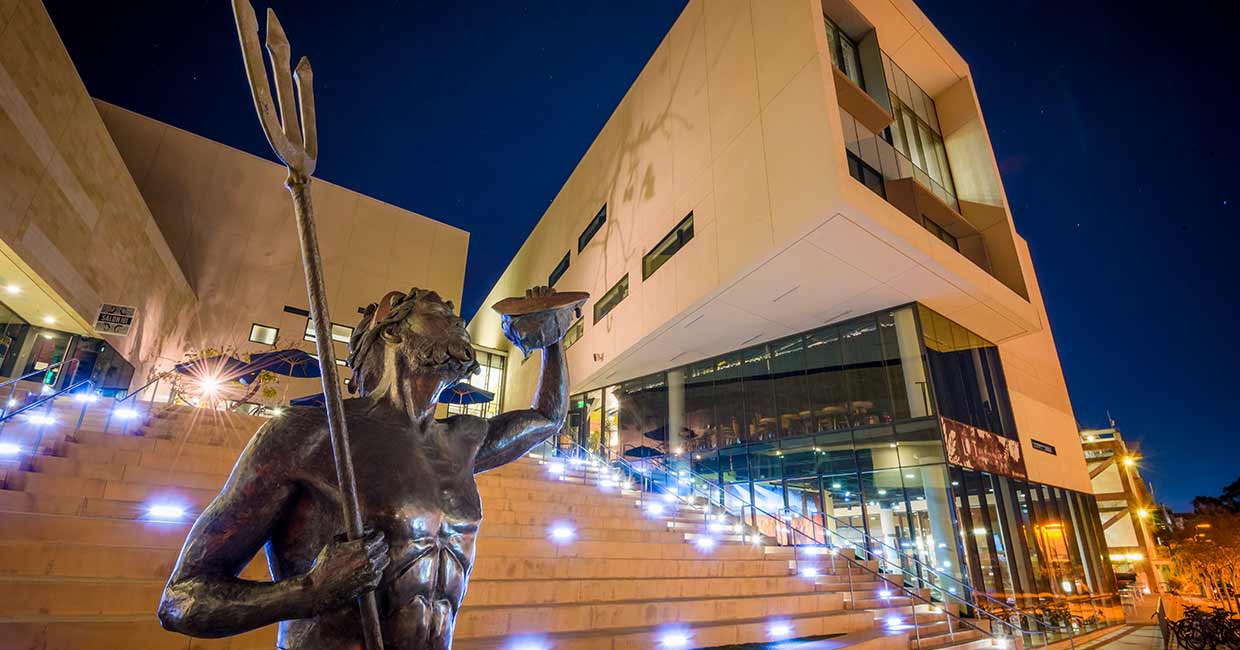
(1134, 637)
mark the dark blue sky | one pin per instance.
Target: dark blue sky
(1115, 125)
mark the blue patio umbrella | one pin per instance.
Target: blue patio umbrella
(290, 363)
(465, 394)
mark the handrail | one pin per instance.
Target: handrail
(45, 399)
(107, 423)
(1039, 626)
(814, 542)
(871, 540)
(32, 373)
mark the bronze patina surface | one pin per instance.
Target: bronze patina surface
(415, 483)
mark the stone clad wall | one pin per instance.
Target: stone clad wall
(71, 217)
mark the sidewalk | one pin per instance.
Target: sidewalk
(1135, 637)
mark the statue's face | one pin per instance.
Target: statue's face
(433, 339)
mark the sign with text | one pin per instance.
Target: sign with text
(979, 449)
(115, 320)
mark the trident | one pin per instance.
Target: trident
(299, 149)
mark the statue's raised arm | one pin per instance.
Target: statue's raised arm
(536, 322)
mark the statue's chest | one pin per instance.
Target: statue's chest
(418, 487)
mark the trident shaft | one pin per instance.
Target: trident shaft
(298, 148)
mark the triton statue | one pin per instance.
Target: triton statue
(414, 478)
(403, 481)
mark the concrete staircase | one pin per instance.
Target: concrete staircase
(82, 563)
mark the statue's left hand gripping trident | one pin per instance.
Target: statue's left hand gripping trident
(298, 148)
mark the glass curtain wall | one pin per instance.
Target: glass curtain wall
(490, 377)
(837, 430)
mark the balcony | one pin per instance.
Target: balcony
(911, 189)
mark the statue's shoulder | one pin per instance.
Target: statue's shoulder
(470, 426)
(299, 426)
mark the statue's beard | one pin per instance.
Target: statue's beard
(445, 354)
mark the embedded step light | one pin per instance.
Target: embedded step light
(562, 533)
(809, 572)
(779, 630)
(165, 512)
(674, 640)
(704, 543)
(125, 414)
(654, 509)
(9, 449)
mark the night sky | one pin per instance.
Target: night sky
(1115, 125)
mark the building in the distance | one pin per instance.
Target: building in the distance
(806, 285)
(1126, 508)
(99, 205)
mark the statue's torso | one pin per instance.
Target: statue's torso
(419, 489)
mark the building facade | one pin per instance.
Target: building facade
(101, 205)
(1127, 509)
(807, 289)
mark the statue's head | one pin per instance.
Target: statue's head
(406, 334)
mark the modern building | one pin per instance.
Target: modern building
(99, 205)
(807, 287)
(1127, 509)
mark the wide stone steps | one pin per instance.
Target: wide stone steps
(82, 567)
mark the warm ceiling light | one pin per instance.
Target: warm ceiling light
(13, 289)
(1143, 513)
(1129, 461)
(49, 320)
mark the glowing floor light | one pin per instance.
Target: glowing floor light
(126, 414)
(527, 643)
(894, 621)
(165, 512)
(654, 509)
(716, 527)
(884, 594)
(556, 468)
(607, 483)
(674, 640)
(86, 397)
(42, 418)
(780, 630)
(9, 449)
(669, 497)
(704, 543)
(809, 572)
(563, 533)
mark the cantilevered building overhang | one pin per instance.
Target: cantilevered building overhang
(790, 163)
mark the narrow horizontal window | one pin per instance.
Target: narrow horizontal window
(263, 334)
(340, 332)
(1042, 446)
(288, 309)
(674, 241)
(558, 271)
(613, 297)
(574, 333)
(339, 361)
(591, 228)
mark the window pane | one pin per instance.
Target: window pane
(700, 406)
(665, 249)
(613, 297)
(263, 334)
(558, 271)
(824, 360)
(729, 399)
(791, 390)
(870, 398)
(593, 227)
(642, 413)
(761, 423)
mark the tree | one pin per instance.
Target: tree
(1206, 549)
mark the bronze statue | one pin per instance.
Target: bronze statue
(415, 482)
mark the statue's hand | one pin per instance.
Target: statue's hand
(345, 569)
(539, 329)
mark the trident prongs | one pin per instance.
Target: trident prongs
(282, 130)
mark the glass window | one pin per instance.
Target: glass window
(791, 389)
(729, 399)
(843, 52)
(490, 377)
(574, 333)
(761, 423)
(665, 249)
(263, 334)
(800, 457)
(870, 397)
(642, 415)
(828, 388)
(866, 174)
(765, 461)
(919, 443)
(699, 416)
(967, 373)
(593, 227)
(340, 333)
(613, 297)
(558, 271)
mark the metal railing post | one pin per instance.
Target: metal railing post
(912, 605)
(81, 416)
